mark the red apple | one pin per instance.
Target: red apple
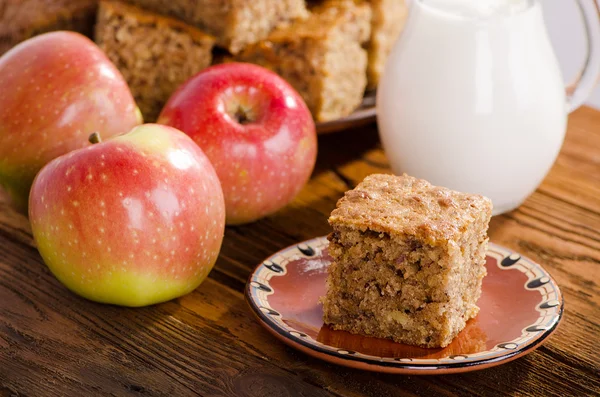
(134, 220)
(255, 129)
(55, 90)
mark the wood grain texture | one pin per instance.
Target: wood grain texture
(207, 343)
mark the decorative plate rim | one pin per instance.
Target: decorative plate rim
(257, 291)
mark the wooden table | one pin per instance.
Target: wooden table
(208, 343)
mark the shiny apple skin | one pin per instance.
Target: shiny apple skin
(262, 164)
(55, 90)
(132, 221)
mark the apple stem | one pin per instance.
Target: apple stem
(242, 116)
(95, 138)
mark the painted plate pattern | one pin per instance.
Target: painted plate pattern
(520, 307)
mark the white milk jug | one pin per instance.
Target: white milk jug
(472, 97)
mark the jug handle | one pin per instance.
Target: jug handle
(581, 89)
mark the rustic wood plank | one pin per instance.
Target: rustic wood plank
(207, 343)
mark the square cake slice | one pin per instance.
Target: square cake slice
(389, 17)
(154, 53)
(408, 260)
(321, 57)
(386, 24)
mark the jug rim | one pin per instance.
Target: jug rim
(519, 7)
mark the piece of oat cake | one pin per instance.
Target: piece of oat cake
(408, 260)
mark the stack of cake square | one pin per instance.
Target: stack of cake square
(408, 260)
(330, 51)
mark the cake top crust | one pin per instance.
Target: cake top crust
(405, 206)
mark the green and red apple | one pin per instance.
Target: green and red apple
(255, 129)
(55, 90)
(135, 220)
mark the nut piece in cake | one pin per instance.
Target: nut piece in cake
(321, 57)
(154, 53)
(408, 260)
(235, 23)
(22, 19)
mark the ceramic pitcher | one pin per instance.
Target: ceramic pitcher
(472, 97)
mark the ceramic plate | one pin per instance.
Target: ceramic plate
(365, 114)
(520, 307)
